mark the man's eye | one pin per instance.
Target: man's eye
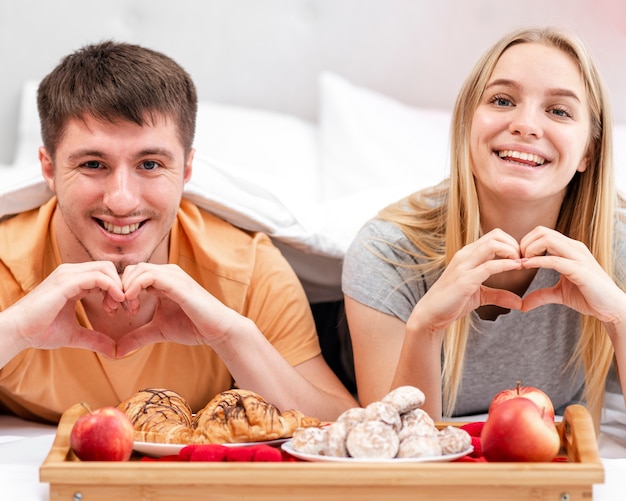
(149, 165)
(92, 164)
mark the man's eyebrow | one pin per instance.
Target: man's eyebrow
(88, 152)
(160, 152)
(553, 91)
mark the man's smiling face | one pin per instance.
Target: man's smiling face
(119, 187)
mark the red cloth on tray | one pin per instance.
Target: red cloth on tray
(215, 452)
(476, 455)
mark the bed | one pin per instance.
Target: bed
(310, 180)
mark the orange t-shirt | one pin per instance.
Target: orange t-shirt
(242, 269)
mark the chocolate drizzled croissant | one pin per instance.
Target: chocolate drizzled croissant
(244, 416)
(232, 416)
(159, 415)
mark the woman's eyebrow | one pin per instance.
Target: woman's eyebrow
(553, 91)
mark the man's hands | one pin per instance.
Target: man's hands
(46, 317)
(184, 312)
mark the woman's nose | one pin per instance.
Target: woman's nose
(526, 122)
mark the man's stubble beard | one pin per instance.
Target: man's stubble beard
(121, 264)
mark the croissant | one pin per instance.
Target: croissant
(223, 401)
(159, 415)
(244, 416)
(232, 416)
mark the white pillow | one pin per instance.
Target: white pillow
(28, 128)
(275, 150)
(224, 190)
(22, 188)
(314, 254)
(21, 185)
(371, 141)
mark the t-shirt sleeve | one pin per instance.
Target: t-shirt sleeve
(379, 270)
(278, 305)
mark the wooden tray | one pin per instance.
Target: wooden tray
(571, 480)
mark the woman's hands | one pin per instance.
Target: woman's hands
(583, 286)
(460, 289)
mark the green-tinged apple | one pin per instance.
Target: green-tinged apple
(518, 430)
(530, 392)
(105, 434)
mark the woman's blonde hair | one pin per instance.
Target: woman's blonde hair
(587, 213)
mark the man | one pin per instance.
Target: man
(119, 284)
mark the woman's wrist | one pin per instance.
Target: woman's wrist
(419, 325)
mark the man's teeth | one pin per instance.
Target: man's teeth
(528, 157)
(120, 230)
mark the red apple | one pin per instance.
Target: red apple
(105, 434)
(535, 394)
(518, 430)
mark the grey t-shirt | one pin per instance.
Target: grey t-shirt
(533, 347)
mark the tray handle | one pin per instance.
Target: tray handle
(60, 450)
(578, 436)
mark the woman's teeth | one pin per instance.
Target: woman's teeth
(527, 157)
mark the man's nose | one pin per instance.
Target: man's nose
(122, 193)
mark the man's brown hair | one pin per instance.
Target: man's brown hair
(114, 81)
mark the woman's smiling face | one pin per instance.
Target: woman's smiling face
(530, 132)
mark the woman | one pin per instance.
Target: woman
(508, 270)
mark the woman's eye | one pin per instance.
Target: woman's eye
(560, 112)
(501, 101)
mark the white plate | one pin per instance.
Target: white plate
(287, 447)
(158, 450)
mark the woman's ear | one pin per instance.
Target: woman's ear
(47, 167)
(584, 163)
